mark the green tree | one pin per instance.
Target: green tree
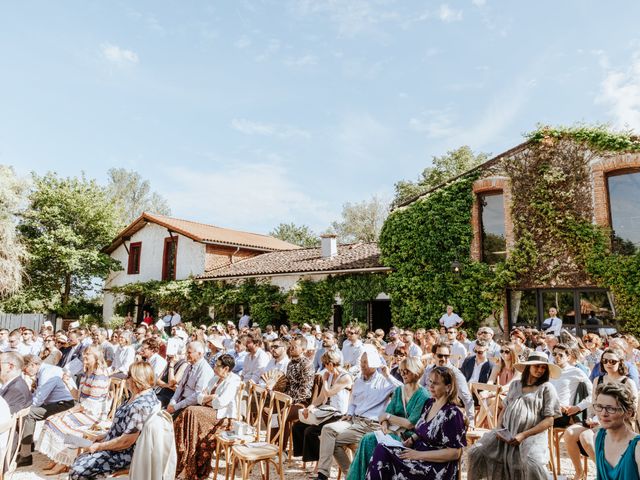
(12, 252)
(300, 235)
(132, 195)
(452, 164)
(68, 222)
(361, 222)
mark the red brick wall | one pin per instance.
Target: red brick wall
(488, 185)
(219, 256)
(599, 172)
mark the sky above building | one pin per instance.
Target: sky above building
(246, 114)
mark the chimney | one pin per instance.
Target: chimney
(329, 244)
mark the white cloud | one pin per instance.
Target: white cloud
(119, 56)
(243, 42)
(448, 14)
(620, 92)
(479, 3)
(303, 61)
(248, 196)
(250, 127)
(435, 123)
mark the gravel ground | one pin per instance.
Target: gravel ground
(293, 472)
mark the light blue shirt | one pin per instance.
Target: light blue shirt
(370, 397)
(51, 387)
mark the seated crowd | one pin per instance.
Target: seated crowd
(403, 404)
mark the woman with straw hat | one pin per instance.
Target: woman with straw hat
(519, 448)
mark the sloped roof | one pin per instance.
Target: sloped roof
(201, 232)
(352, 257)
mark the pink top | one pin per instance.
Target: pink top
(505, 376)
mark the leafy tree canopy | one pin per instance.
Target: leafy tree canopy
(300, 235)
(12, 252)
(452, 164)
(132, 195)
(361, 222)
(67, 224)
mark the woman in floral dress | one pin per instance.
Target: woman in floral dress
(114, 451)
(433, 451)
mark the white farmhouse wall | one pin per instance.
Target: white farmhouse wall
(190, 261)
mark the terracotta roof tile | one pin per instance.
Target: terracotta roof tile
(357, 256)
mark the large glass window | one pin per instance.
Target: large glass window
(494, 244)
(169, 258)
(595, 310)
(624, 204)
(524, 310)
(562, 301)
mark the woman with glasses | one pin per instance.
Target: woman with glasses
(520, 449)
(616, 451)
(398, 356)
(433, 450)
(50, 353)
(592, 342)
(399, 418)
(615, 371)
(92, 408)
(196, 428)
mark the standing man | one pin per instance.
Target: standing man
(51, 396)
(450, 319)
(553, 324)
(193, 382)
(244, 322)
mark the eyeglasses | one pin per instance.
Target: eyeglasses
(275, 347)
(505, 351)
(609, 361)
(479, 351)
(442, 355)
(404, 371)
(607, 408)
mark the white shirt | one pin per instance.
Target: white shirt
(351, 352)
(244, 321)
(278, 365)
(225, 395)
(556, 326)
(254, 365)
(450, 320)
(460, 352)
(369, 397)
(270, 337)
(475, 376)
(123, 358)
(158, 364)
(415, 350)
(567, 385)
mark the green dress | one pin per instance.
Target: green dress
(626, 469)
(367, 445)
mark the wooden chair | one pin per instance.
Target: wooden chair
(552, 464)
(489, 412)
(117, 389)
(350, 448)
(257, 396)
(264, 453)
(554, 445)
(14, 431)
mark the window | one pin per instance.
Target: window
(134, 258)
(624, 206)
(493, 240)
(169, 258)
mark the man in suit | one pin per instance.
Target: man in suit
(477, 368)
(14, 389)
(195, 379)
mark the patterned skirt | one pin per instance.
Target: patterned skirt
(54, 430)
(195, 430)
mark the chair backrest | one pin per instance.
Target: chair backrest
(240, 396)
(491, 412)
(14, 431)
(279, 406)
(255, 413)
(116, 393)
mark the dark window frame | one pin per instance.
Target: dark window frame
(133, 267)
(615, 173)
(169, 242)
(480, 199)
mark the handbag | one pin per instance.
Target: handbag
(317, 415)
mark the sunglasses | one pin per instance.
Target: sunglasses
(404, 371)
(609, 361)
(505, 351)
(479, 351)
(442, 355)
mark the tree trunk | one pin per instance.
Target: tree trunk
(67, 290)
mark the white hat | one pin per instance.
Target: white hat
(539, 358)
(47, 324)
(373, 357)
(215, 341)
(75, 324)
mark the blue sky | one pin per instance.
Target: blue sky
(246, 114)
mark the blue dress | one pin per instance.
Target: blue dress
(129, 418)
(626, 469)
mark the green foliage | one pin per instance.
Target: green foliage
(300, 235)
(450, 165)
(12, 251)
(67, 223)
(598, 137)
(361, 222)
(312, 302)
(420, 242)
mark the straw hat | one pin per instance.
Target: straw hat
(539, 358)
(215, 341)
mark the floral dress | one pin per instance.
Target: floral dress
(129, 418)
(446, 429)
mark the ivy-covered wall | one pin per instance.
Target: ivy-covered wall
(556, 242)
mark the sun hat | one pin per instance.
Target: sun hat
(539, 358)
(215, 341)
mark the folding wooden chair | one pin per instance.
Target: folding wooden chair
(556, 436)
(15, 431)
(247, 455)
(489, 412)
(117, 389)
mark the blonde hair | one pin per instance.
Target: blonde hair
(414, 365)
(141, 375)
(330, 356)
(96, 351)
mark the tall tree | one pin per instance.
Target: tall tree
(132, 195)
(300, 235)
(447, 166)
(68, 222)
(362, 221)
(12, 252)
